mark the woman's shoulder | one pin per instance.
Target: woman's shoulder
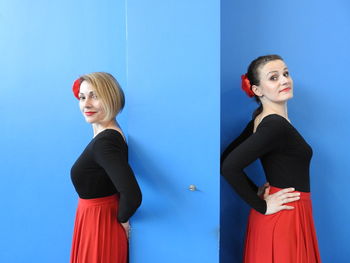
(274, 122)
(109, 137)
(109, 133)
(275, 119)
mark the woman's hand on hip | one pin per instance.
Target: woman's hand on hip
(127, 228)
(277, 201)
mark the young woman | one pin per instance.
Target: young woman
(280, 226)
(108, 191)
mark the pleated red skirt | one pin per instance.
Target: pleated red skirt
(288, 236)
(98, 236)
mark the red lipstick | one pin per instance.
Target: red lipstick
(89, 113)
(285, 90)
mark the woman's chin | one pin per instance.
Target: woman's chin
(89, 120)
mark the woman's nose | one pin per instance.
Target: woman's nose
(87, 103)
(284, 80)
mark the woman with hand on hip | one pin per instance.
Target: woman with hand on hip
(108, 191)
(280, 225)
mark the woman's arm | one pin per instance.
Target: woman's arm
(248, 130)
(268, 137)
(109, 155)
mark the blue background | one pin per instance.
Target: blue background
(173, 76)
(312, 37)
(44, 46)
(173, 73)
(170, 74)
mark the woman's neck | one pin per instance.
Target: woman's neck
(275, 108)
(99, 127)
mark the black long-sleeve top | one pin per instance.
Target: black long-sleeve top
(103, 170)
(284, 154)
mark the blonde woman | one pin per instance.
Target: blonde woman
(108, 191)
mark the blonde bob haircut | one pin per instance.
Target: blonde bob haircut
(108, 91)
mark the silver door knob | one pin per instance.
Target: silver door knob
(192, 187)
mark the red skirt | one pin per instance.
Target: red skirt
(98, 236)
(288, 236)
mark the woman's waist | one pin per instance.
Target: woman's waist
(110, 199)
(300, 184)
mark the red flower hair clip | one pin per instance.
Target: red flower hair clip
(246, 87)
(76, 87)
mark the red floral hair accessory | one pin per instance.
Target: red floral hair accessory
(246, 87)
(76, 87)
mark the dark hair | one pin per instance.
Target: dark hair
(254, 77)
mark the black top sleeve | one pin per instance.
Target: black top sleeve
(268, 137)
(108, 154)
(248, 130)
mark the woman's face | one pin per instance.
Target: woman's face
(276, 85)
(89, 104)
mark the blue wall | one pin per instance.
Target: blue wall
(44, 46)
(313, 38)
(173, 83)
(173, 78)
